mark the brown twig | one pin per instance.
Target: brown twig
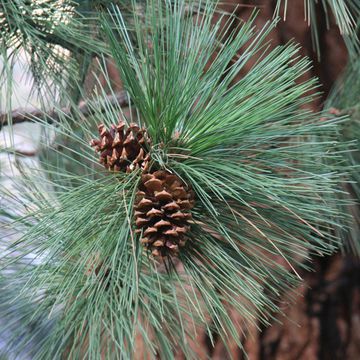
(22, 115)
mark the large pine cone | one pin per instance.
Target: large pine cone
(162, 213)
(123, 149)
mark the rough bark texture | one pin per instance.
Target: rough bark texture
(324, 322)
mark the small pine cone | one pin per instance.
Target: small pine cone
(162, 213)
(123, 149)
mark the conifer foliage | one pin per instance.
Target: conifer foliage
(211, 192)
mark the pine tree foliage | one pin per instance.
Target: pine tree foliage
(59, 38)
(40, 31)
(265, 182)
(345, 99)
(345, 12)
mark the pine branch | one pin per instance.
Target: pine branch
(234, 164)
(19, 116)
(55, 38)
(50, 37)
(345, 98)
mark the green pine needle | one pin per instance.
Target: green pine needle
(344, 99)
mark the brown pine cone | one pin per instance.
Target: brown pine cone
(162, 212)
(123, 149)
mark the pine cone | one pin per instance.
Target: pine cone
(123, 149)
(162, 212)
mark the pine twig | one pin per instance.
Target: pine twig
(21, 115)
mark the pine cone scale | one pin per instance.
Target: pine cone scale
(162, 213)
(123, 149)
